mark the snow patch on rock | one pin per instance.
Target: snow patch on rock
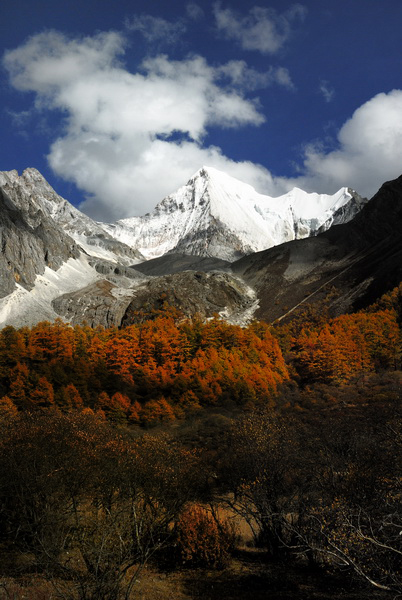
(25, 308)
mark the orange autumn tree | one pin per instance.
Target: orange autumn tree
(157, 411)
(8, 410)
(51, 340)
(12, 348)
(20, 386)
(121, 355)
(186, 364)
(43, 394)
(70, 398)
(116, 407)
(347, 346)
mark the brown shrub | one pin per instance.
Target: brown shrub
(204, 540)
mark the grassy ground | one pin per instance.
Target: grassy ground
(235, 583)
(250, 577)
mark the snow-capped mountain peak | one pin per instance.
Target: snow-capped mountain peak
(217, 215)
(57, 261)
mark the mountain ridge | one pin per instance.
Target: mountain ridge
(355, 262)
(219, 216)
(74, 268)
(33, 196)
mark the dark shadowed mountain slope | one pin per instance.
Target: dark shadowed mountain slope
(361, 259)
(175, 263)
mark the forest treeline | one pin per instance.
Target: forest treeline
(156, 371)
(167, 368)
(296, 429)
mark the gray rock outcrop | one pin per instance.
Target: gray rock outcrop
(30, 240)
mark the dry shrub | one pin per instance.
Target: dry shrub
(203, 539)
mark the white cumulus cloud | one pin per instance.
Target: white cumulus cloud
(262, 29)
(50, 61)
(326, 90)
(131, 138)
(368, 152)
(248, 78)
(156, 29)
(194, 11)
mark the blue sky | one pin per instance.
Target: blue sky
(119, 103)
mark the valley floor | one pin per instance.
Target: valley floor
(247, 577)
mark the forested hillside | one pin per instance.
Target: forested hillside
(166, 368)
(124, 446)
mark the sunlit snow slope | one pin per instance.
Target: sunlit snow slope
(217, 215)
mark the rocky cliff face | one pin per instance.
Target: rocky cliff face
(194, 293)
(30, 239)
(100, 303)
(51, 251)
(38, 203)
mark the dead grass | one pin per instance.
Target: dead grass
(247, 577)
